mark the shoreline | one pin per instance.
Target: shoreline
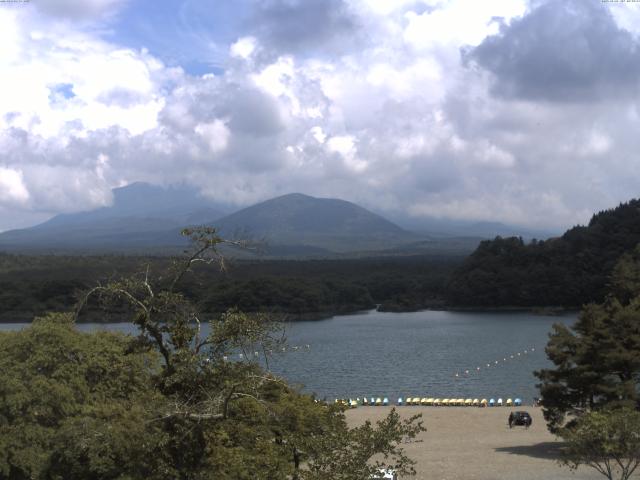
(550, 311)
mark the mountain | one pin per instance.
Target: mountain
(147, 219)
(140, 217)
(444, 227)
(296, 220)
(568, 271)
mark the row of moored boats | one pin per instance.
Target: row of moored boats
(429, 401)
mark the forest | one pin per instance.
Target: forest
(309, 289)
(567, 271)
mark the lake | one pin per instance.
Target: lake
(413, 354)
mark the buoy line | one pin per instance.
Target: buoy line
(256, 354)
(494, 363)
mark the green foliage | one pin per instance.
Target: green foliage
(567, 271)
(608, 441)
(597, 362)
(33, 285)
(55, 380)
(167, 404)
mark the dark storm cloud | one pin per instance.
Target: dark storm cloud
(563, 50)
(291, 26)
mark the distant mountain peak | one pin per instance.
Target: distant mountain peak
(299, 219)
(150, 216)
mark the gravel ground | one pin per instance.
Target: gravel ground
(476, 443)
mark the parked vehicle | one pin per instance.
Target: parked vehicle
(520, 418)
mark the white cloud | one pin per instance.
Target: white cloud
(318, 134)
(458, 22)
(243, 48)
(345, 146)
(215, 133)
(397, 122)
(12, 187)
(95, 73)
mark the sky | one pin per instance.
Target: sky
(519, 111)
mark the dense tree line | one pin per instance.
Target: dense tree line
(33, 285)
(567, 271)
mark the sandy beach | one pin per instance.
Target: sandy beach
(476, 443)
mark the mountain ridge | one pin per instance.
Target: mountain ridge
(328, 223)
(146, 217)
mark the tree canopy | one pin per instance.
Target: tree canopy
(168, 404)
(597, 361)
(568, 271)
(607, 441)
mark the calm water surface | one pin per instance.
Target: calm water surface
(411, 354)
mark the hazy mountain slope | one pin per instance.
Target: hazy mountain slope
(141, 215)
(444, 227)
(331, 224)
(146, 218)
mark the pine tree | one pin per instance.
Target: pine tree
(597, 361)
